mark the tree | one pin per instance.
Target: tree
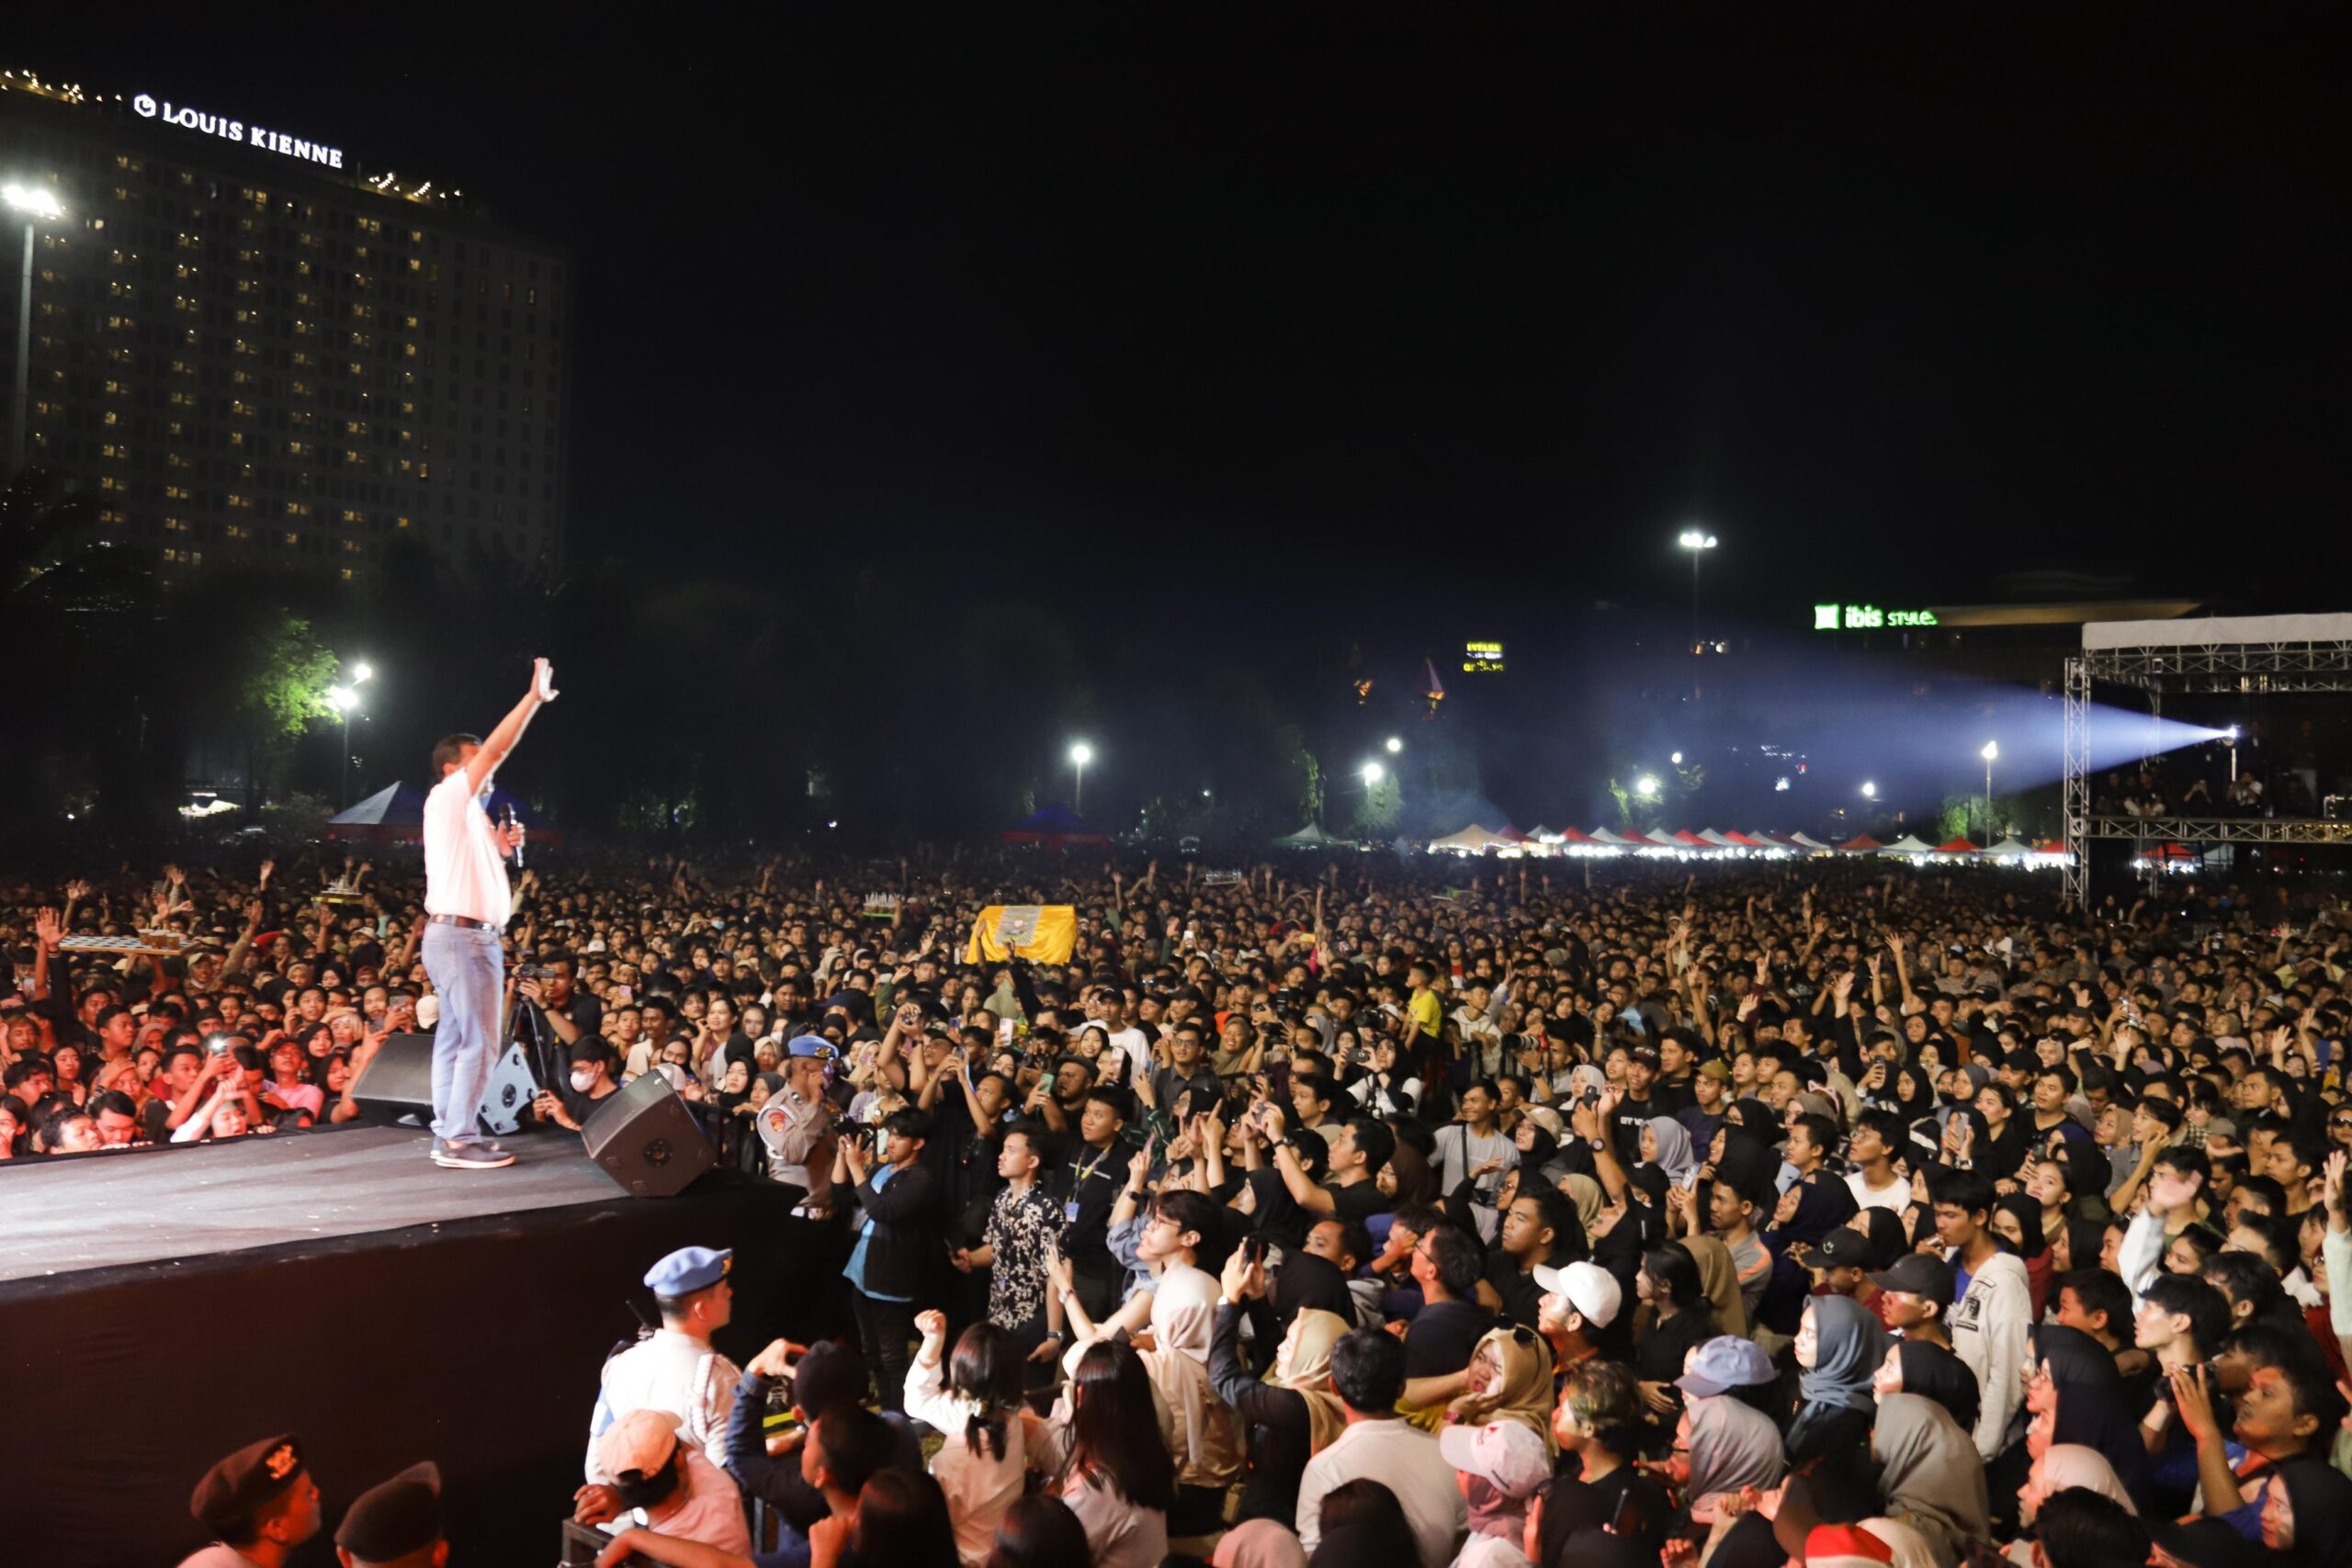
(1382, 806)
(284, 679)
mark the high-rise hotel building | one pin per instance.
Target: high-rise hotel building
(251, 348)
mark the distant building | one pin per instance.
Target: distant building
(253, 347)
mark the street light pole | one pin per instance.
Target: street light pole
(1079, 755)
(1992, 749)
(1698, 541)
(35, 204)
(345, 699)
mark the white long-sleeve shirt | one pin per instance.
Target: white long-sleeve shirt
(2140, 1252)
(979, 1488)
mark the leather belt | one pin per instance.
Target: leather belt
(471, 924)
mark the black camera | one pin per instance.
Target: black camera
(533, 972)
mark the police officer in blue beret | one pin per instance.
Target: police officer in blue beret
(675, 1368)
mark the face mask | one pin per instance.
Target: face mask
(583, 1079)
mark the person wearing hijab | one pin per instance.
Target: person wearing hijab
(1840, 1345)
(1731, 1445)
(1587, 1195)
(1198, 1427)
(1499, 1436)
(2307, 1514)
(2061, 1468)
(1291, 1415)
(2016, 1220)
(1812, 1208)
(1887, 1237)
(1921, 1366)
(1667, 1145)
(1931, 1476)
(1260, 1543)
(2082, 1387)
(1720, 1277)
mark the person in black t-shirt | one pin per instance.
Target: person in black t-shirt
(1540, 1228)
(1637, 1104)
(595, 1067)
(1444, 1334)
(1091, 1180)
(1358, 1148)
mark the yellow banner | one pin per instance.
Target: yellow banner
(1042, 933)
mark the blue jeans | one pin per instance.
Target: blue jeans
(466, 966)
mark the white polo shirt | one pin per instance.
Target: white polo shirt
(464, 874)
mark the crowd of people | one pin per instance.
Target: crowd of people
(1768, 1214)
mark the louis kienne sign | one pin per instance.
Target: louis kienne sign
(146, 106)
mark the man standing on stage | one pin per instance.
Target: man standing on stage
(467, 903)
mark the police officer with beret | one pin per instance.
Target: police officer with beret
(675, 1368)
(260, 1504)
(396, 1525)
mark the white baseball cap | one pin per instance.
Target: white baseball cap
(1587, 1287)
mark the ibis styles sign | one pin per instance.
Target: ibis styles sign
(1866, 619)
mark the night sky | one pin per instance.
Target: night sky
(1338, 315)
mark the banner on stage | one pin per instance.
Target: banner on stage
(1043, 933)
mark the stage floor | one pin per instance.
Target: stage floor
(166, 1206)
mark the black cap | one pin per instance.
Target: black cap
(239, 1486)
(1917, 1274)
(400, 1516)
(1844, 1247)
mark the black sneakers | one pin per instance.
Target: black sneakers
(481, 1154)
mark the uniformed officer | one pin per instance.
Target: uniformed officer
(260, 1504)
(399, 1521)
(675, 1368)
(797, 1125)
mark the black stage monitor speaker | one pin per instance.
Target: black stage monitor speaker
(647, 1139)
(397, 1080)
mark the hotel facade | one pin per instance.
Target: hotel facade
(253, 350)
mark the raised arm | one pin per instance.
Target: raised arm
(494, 751)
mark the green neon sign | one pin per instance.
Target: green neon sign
(1867, 618)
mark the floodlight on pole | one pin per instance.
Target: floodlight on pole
(363, 670)
(1675, 759)
(1698, 541)
(1371, 772)
(35, 205)
(1869, 790)
(1395, 745)
(1992, 749)
(1081, 754)
(1646, 787)
(344, 699)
